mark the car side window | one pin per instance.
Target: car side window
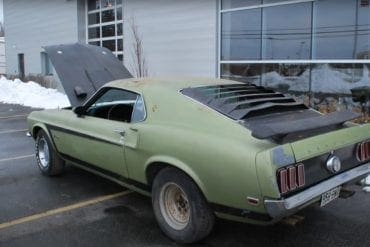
(118, 105)
(139, 113)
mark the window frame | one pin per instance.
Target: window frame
(101, 24)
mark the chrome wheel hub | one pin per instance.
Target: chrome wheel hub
(174, 206)
(43, 152)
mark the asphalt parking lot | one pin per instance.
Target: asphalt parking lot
(81, 209)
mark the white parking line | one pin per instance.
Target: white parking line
(14, 116)
(12, 131)
(17, 158)
(62, 209)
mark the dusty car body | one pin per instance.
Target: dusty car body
(200, 147)
(241, 177)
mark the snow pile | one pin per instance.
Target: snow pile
(324, 80)
(31, 94)
(367, 184)
(298, 84)
(328, 80)
(273, 78)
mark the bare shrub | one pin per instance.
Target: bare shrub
(139, 65)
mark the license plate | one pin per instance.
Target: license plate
(330, 196)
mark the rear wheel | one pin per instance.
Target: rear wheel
(49, 163)
(180, 208)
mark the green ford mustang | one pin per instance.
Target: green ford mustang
(201, 148)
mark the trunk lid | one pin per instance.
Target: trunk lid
(314, 153)
(328, 142)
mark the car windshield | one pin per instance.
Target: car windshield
(115, 96)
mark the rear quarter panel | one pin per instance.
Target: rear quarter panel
(216, 152)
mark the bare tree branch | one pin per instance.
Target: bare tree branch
(139, 64)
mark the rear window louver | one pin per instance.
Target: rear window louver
(268, 114)
(243, 101)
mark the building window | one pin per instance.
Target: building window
(241, 35)
(315, 50)
(232, 4)
(334, 32)
(325, 29)
(287, 38)
(104, 27)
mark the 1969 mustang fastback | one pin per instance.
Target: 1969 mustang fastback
(205, 148)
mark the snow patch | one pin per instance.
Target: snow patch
(324, 80)
(366, 189)
(31, 94)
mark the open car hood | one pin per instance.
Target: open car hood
(83, 69)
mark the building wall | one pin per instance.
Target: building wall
(179, 37)
(81, 20)
(30, 25)
(2, 56)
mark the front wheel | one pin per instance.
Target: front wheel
(47, 159)
(180, 208)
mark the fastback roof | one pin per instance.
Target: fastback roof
(83, 69)
(240, 101)
(268, 114)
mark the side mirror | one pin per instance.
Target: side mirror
(79, 110)
(79, 92)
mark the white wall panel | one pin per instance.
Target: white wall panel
(179, 37)
(32, 24)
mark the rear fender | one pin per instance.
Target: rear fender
(178, 164)
(267, 163)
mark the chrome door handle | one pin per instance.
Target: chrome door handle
(121, 132)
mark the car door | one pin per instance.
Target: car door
(96, 139)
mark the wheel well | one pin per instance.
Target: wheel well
(35, 131)
(153, 170)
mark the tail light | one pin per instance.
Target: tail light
(301, 175)
(363, 151)
(283, 181)
(291, 178)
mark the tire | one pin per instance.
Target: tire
(48, 161)
(180, 208)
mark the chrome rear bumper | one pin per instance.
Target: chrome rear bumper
(278, 209)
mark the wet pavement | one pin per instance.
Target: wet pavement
(128, 220)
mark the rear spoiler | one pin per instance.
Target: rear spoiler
(281, 129)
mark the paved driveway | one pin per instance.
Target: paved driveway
(80, 209)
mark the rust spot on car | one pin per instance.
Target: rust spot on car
(139, 83)
(204, 109)
(281, 158)
(154, 108)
